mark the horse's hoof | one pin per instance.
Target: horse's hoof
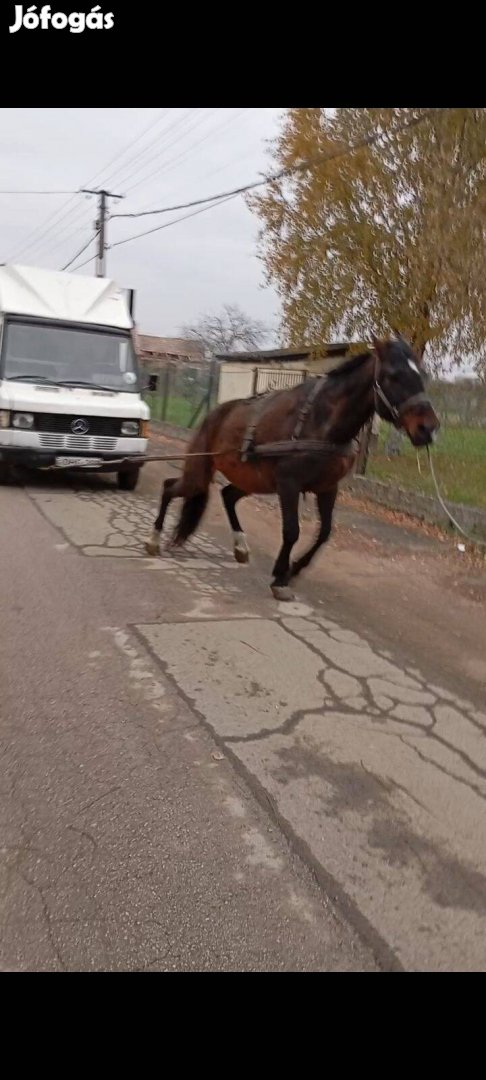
(282, 592)
(152, 548)
(240, 547)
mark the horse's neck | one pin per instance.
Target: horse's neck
(352, 407)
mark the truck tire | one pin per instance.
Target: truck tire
(128, 479)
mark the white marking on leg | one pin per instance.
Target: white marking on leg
(152, 545)
(240, 547)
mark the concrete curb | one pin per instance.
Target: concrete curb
(423, 507)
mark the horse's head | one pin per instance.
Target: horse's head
(400, 390)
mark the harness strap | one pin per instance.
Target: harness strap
(312, 389)
(307, 404)
(248, 444)
(303, 446)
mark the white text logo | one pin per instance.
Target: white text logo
(45, 19)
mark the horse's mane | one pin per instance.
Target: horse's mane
(349, 365)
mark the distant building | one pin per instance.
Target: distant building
(243, 374)
(154, 353)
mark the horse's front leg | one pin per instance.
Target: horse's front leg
(288, 493)
(325, 504)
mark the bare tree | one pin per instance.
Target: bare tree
(230, 331)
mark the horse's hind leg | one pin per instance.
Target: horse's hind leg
(230, 496)
(170, 490)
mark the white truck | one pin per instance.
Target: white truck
(70, 388)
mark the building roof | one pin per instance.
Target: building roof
(55, 294)
(159, 346)
(337, 348)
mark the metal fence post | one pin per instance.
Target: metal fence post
(165, 391)
(211, 384)
(364, 446)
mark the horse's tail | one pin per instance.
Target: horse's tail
(198, 472)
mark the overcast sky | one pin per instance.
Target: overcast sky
(179, 273)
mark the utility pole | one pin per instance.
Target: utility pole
(101, 226)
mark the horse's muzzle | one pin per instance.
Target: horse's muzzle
(421, 427)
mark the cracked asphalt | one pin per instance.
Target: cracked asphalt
(195, 777)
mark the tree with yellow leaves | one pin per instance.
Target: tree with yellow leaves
(389, 235)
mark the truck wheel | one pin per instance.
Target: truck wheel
(128, 479)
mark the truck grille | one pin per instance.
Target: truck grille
(60, 423)
(76, 442)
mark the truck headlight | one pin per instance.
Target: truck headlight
(130, 427)
(4, 418)
(23, 420)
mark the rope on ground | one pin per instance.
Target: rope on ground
(471, 539)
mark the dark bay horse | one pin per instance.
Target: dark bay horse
(315, 423)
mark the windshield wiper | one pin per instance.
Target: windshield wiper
(32, 378)
(64, 382)
(91, 385)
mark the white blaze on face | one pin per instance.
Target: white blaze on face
(413, 366)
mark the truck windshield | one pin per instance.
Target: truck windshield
(61, 354)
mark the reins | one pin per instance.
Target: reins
(471, 539)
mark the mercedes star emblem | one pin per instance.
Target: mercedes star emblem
(80, 426)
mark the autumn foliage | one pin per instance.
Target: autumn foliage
(391, 235)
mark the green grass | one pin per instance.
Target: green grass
(460, 466)
(180, 410)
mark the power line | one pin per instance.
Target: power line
(175, 221)
(212, 201)
(172, 163)
(78, 215)
(26, 192)
(171, 127)
(159, 152)
(85, 263)
(80, 252)
(51, 221)
(160, 139)
(343, 151)
(120, 153)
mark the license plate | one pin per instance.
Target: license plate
(78, 462)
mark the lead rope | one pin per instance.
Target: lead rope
(452, 519)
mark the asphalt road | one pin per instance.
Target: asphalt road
(195, 777)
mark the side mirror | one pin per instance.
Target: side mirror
(153, 382)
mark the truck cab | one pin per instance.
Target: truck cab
(70, 386)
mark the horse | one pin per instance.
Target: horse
(258, 445)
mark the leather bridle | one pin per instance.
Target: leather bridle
(396, 411)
